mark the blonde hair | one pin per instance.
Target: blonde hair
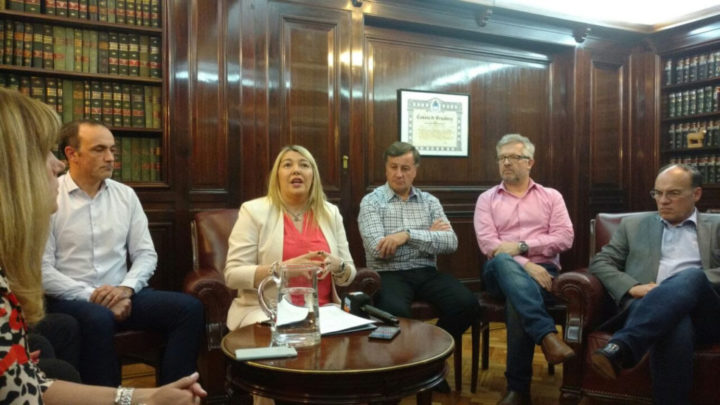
(28, 130)
(316, 199)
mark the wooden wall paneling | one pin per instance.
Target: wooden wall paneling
(209, 152)
(607, 136)
(567, 148)
(309, 69)
(644, 138)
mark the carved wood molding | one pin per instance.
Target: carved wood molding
(482, 15)
(580, 34)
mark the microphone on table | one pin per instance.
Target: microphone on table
(358, 303)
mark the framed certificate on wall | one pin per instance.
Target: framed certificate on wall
(435, 123)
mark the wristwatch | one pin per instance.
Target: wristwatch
(523, 247)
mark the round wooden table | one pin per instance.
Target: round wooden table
(345, 369)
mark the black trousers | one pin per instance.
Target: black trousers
(456, 304)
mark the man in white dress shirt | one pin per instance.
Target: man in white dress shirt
(98, 231)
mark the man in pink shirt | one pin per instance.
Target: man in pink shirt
(522, 227)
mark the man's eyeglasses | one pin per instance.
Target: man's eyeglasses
(512, 158)
(670, 194)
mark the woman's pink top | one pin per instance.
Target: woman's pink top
(296, 243)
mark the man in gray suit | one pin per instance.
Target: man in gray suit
(662, 271)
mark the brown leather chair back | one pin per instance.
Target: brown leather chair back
(604, 226)
(210, 233)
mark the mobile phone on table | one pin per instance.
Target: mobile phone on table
(384, 332)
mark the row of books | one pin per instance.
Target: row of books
(693, 68)
(677, 134)
(115, 104)
(77, 50)
(708, 165)
(691, 102)
(132, 12)
(137, 159)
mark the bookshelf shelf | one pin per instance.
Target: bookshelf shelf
(77, 22)
(75, 75)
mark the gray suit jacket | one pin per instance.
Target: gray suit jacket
(633, 255)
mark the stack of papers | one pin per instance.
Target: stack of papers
(334, 320)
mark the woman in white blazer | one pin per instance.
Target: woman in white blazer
(295, 206)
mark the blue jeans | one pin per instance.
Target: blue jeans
(526, 319)
(681, 311)
(176, 315)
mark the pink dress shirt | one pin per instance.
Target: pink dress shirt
(539, 218)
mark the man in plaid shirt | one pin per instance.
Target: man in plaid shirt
(403, 230)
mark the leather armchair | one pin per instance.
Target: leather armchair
(588, 305)
(210, 231)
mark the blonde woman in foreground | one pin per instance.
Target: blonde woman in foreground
(28, 190)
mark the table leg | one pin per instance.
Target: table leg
(424, 397)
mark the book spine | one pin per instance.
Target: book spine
(146, 20)
(78, 50)
(16, 5)
(78, 100)
(73, 7)
(155, 57)
(83, 11)
(120, 12)
(155, 13)
(156, 107)
(123, 54)
(67, 100)
(126, 106)
(113, 53)
(102, 10)
(138, 106)
(18, 43)
(135, 160)
(127, 159)
(87, 99)
(96, 101)
(37, 46)
(130, 12)
(37, 88)
(32, 6)
(148, 107)
(28, 45)
(111, 7)
(103, 49)
(117, 120)
(69, 49)
(51, 93)
(107, 104)
(93, 10)
(13, 81)
(2, 4)
(61, 8)
(156, 153)
(144, 55)
(50, 7)
(85, 51)
(93, 51)
(9, 43)
(133, 55)
(25, 85)
(146, 153)
(59, 97)
(48, 49)
(117, 164)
